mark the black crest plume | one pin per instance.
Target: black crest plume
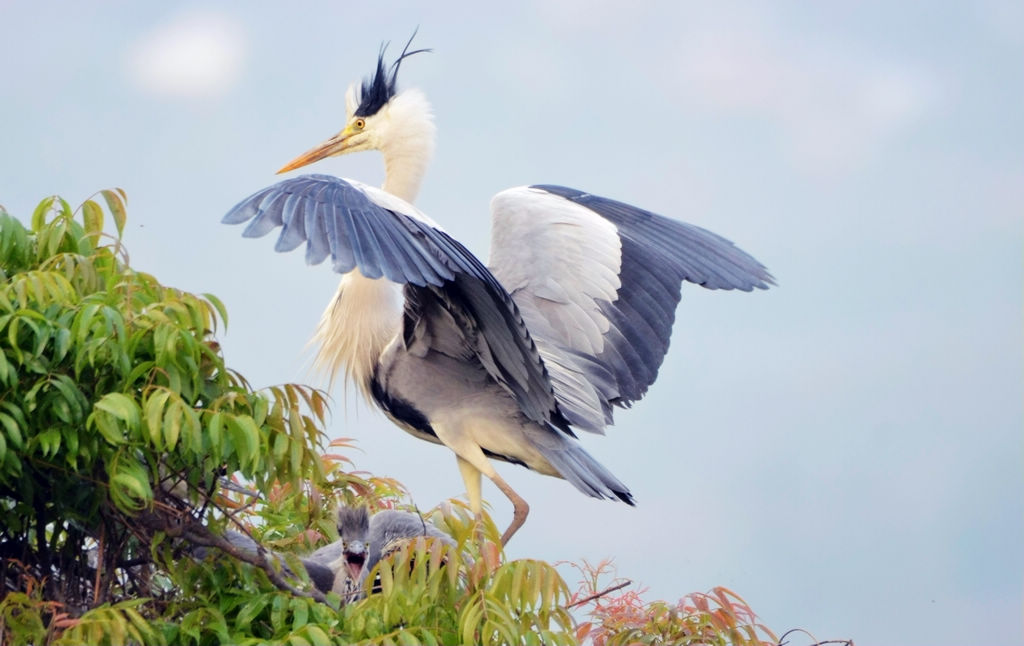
(379, 88)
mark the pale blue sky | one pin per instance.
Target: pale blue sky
(844, 451)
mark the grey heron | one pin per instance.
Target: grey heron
(570, 318)
(343, 565)
(347, 555)
(365, 540)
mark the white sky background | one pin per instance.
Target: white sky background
(844, 451)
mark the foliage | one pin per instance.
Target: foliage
(117, 413)
(718, 617)
(431, 593)
(118, 417)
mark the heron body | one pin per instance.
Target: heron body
(570, 318)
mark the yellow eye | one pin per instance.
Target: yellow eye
(359, 124)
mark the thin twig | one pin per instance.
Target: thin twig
(782, 640)
(600, 594)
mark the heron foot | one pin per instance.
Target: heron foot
(520, 510)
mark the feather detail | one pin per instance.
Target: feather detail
(362, 318)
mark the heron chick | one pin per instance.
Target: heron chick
(367, 539)
(570, 319)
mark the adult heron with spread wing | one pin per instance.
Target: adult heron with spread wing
(570, 318)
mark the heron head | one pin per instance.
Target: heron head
(376, 114)
(354, 553)
(354, 529)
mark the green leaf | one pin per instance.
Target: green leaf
(13, 432)
(137, 486)
(300, 613)
(92, 217)
(407, 638)
(82, 325)
(8, 372)
(248, 613)
(154, 411)
(62, 344)
(214, 435)
(72, 395)
(245, 437)
(39, 215)
(222, 311)
(115, 203)
(110, 408)
(278, 608)
(317, 635)
(120, 406)
(281, 444)
(49, 441)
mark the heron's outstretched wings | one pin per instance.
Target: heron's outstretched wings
(383, 236)
(597, 282)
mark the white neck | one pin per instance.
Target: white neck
(363, 317)
(408, 144)
(403, 174)
(366, 314)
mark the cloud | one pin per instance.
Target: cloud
(194, 54)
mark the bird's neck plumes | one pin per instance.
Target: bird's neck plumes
(354, 329)
(366, 314)
(408, 144)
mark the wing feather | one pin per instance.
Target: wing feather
(293, 228)
(317, 248)
(365, 228)
(343, 256)
(598, 282)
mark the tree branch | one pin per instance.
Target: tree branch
(600, 594)
(197, 533)
(782, 640)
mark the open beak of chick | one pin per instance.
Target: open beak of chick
(355, 558)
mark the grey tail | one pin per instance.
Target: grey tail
(585, 473)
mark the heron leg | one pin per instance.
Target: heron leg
(471, 476)
(474, 491)
(520, 509)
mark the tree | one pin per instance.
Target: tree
(118, 420)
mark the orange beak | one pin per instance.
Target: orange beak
(336, 145)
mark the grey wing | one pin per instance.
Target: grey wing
(328, 553)
(598, 282)
(321, 575)
(344, 219)
(363, 227)
(389, 526)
